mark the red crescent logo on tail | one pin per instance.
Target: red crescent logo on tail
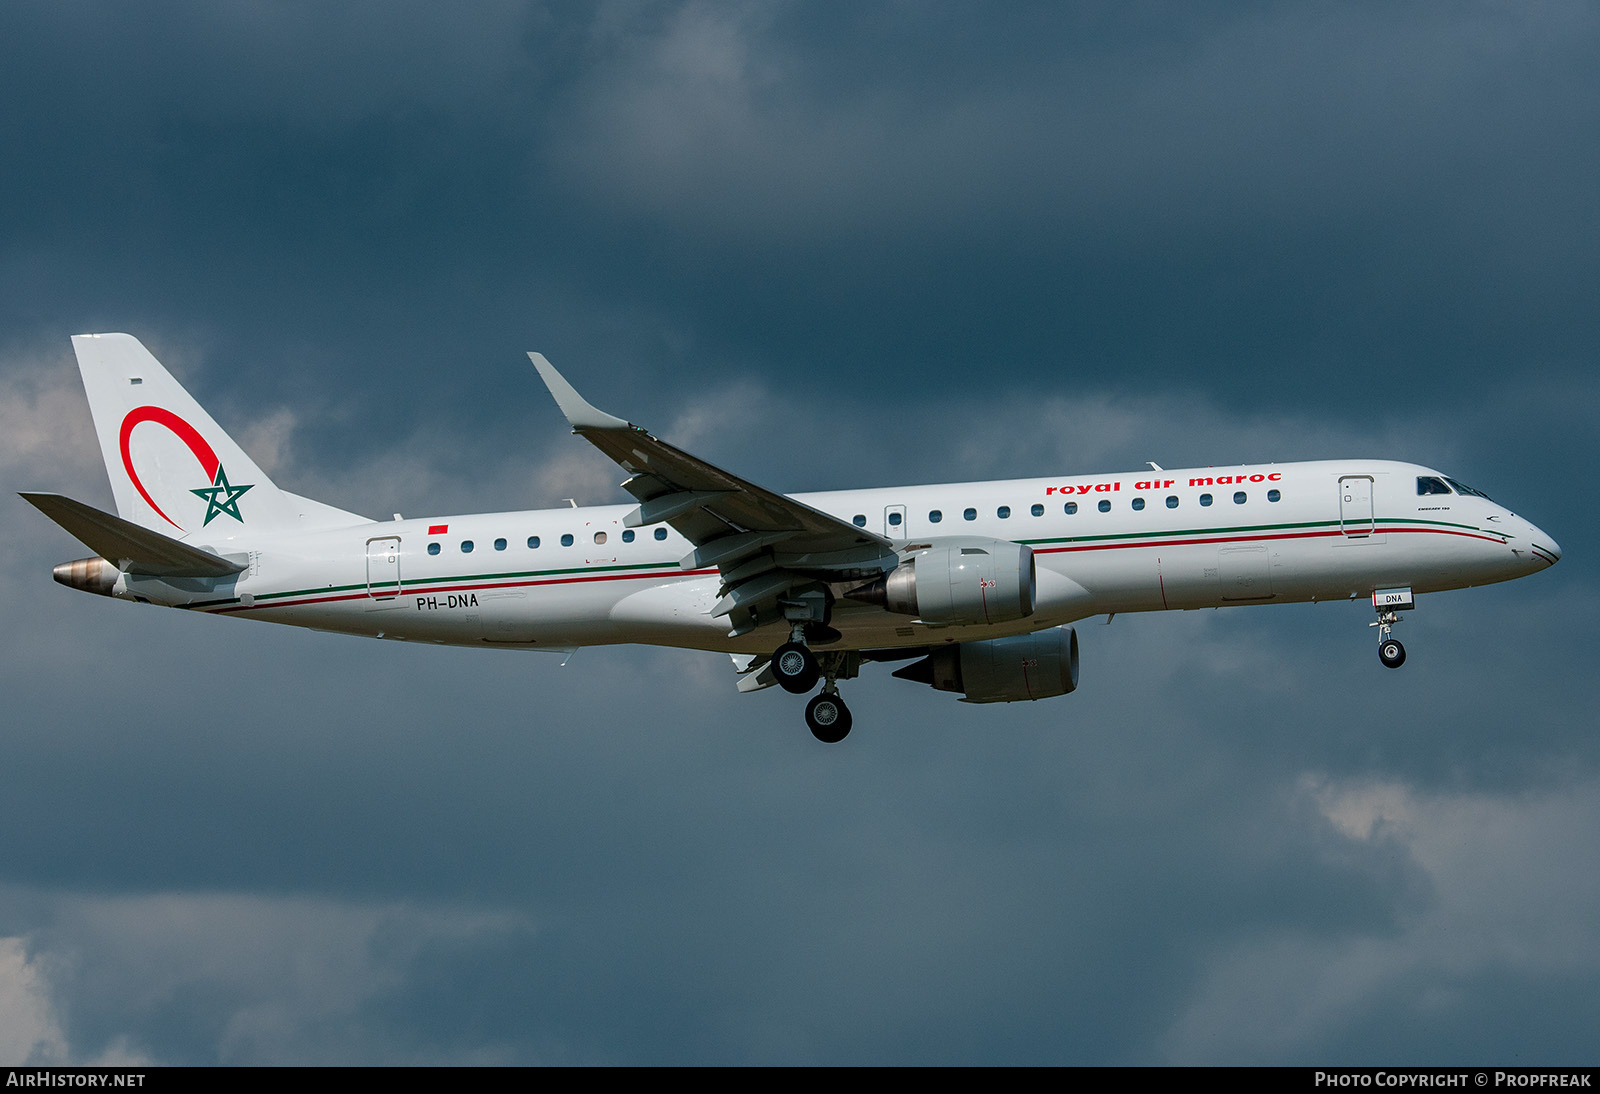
(185, 432)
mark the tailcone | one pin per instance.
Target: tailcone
(92, 575)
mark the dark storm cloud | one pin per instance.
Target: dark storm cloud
(1383, 176)
(825, 246)
(1397, 194)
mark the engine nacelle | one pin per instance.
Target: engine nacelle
(1003, 670)
(961, 579)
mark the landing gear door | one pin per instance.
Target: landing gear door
(383, 568)
(1355, 505)
(1245, 572)
(894, 522)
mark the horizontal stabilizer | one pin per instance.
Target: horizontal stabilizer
(127, 545)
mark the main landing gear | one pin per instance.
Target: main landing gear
(797, 671)
(828, 717)
(795, 666)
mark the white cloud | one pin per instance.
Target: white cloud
(1515, 885)
(47, 439)
(273, 979)
(28, 1029)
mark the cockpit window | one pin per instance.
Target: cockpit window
(1462, 488)
(1427, 484)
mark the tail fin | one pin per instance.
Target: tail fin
(172, 468)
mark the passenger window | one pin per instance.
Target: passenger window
(566, 540)
(1172, 501)
(499, 545)
(661, 533)
(1037, 510)
(433, 548)
(627, 537)
(1105, 507)
(466, 546)
(1138, 503)
(1273, 495)
(1205, 499)
(1072, 507)
(1238, 497)
(1004, 512)
(894, 520)
(533, 541)
(859, 520)
(969, 514)
(599, 538)
(934, 516)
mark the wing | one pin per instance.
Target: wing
(773, 552)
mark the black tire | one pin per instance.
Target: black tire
(1391, 653)
(828, 718)
(795, 668)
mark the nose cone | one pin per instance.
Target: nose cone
(1541, 549)
(1545, 548)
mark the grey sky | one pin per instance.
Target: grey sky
(824, 245)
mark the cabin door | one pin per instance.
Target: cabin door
(1355, 505)
(383, 568)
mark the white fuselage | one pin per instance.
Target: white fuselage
(1141, 541)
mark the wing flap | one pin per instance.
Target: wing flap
(130, 546)
(664, 507)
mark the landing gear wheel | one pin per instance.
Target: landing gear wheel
(1391, 653)
(795, 668)
(828, 718)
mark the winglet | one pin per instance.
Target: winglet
(580, 413)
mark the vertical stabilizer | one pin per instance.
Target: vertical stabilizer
(172, 468)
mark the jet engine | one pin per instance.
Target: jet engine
(962, 579)
(1003, 670)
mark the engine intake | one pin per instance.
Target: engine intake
(1003, 670)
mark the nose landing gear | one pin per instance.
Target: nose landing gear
(1389, 603)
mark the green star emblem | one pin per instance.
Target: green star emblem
(221, 497)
